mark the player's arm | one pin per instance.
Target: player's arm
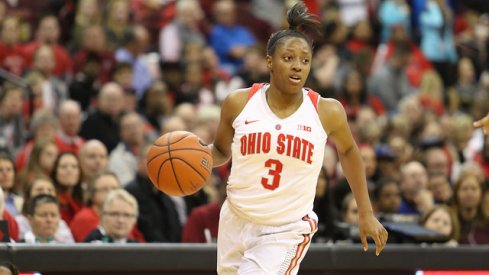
(334, 120)
(483, 123)
(231, 107)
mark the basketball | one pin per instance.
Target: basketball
(179, 163)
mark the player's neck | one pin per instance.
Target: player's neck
(281, 103)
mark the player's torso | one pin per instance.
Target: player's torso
(275, 162)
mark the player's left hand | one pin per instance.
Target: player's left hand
(368, 225)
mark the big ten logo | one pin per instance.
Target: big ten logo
(205, 163)
(304, 128)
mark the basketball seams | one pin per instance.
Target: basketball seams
(179, 149)
(172, 167)
(173, 142)
(191, 166)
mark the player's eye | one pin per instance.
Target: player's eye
(287, 58)
(305, 61)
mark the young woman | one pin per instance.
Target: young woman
(275, 135)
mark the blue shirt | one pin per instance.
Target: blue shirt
(141, 77)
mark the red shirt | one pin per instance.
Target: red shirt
(68, 207)
(202, 218)
(61, 56)
(68, 144)
(13, 227)
(12, 59)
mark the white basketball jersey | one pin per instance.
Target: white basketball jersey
(275, 162)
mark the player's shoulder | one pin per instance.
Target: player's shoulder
(331, 113)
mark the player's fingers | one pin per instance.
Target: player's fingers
(363, 238)
(379, 244)
(477, 124)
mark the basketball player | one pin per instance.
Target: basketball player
(275, 135)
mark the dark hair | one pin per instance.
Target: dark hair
(27, 189)
(381, 184)
(10, 266)
(34, 202)
(77, 189)
(298, 20)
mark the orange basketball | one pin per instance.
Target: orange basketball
(179, 163)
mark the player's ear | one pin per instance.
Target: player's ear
(269, 62)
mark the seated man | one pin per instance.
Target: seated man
(44, 216)
(119, 215)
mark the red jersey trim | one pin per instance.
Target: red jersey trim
(314, 98)
(254, 89)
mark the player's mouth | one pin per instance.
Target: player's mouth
(295, 79)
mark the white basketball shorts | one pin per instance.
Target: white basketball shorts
(244, 247)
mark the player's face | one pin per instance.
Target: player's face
(290, 64)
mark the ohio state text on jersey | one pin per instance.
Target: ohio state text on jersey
(275, 162)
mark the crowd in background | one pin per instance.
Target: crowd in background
(87, 86)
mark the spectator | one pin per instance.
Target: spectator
(94, 47)
(440, 187)
(132, 51)
(44, 126)
(183, 30)
(66, 176)
(392, 13)
(44, 216)
(8, 268)
(437, 44)
(54, 90)
(117, 23)
(229, 40)
(156, 105)
(118, 217)
(463, 96)
(11, 53)
(13, 202)
(87, 219)
(12, 125)
(390, 83)
(324, 208)
(48, 34)
(123, 159)
(70, 118)
(158, 218)
(41, 185)
(349, 210)
(416, 198)
(87, 14)
(387, 197)
(467, 203)
(13, 228)
(106, 116)
(443, 220)
(41, 162)
(202, 223)
(436, 162)
(93, 160)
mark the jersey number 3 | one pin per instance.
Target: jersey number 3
(274, 171)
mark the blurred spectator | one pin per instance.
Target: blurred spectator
(462, 97)
(70, 118)
(361, 38)
(467, 203)
(44, 216)
(106, 116)
(390, 83)
(391, 14)
(13, 228)
(48, 33)
(193, 90)
(87, 219)
(13, 202)
(66, 176)
(132, 51)
(118, 217)
(436, 161)
(436, 25)
(158, 218)
(188, 113)
(352, 11)
(156, 105)
(183, 30)
(41, 162)
(355, 95)
(117, 23)
(123, 159)
(229, 40)
(44, 126)
(324, 208)
(443, 220)
(11, 52)
(87, 13)
(41, 185)
(416, 198)
(94, 50)
(12, 128)
(349, 210)
(54, 90)
(440, 187)
(387, 197)
(202, 223)
(254, 70)
(93, 160)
